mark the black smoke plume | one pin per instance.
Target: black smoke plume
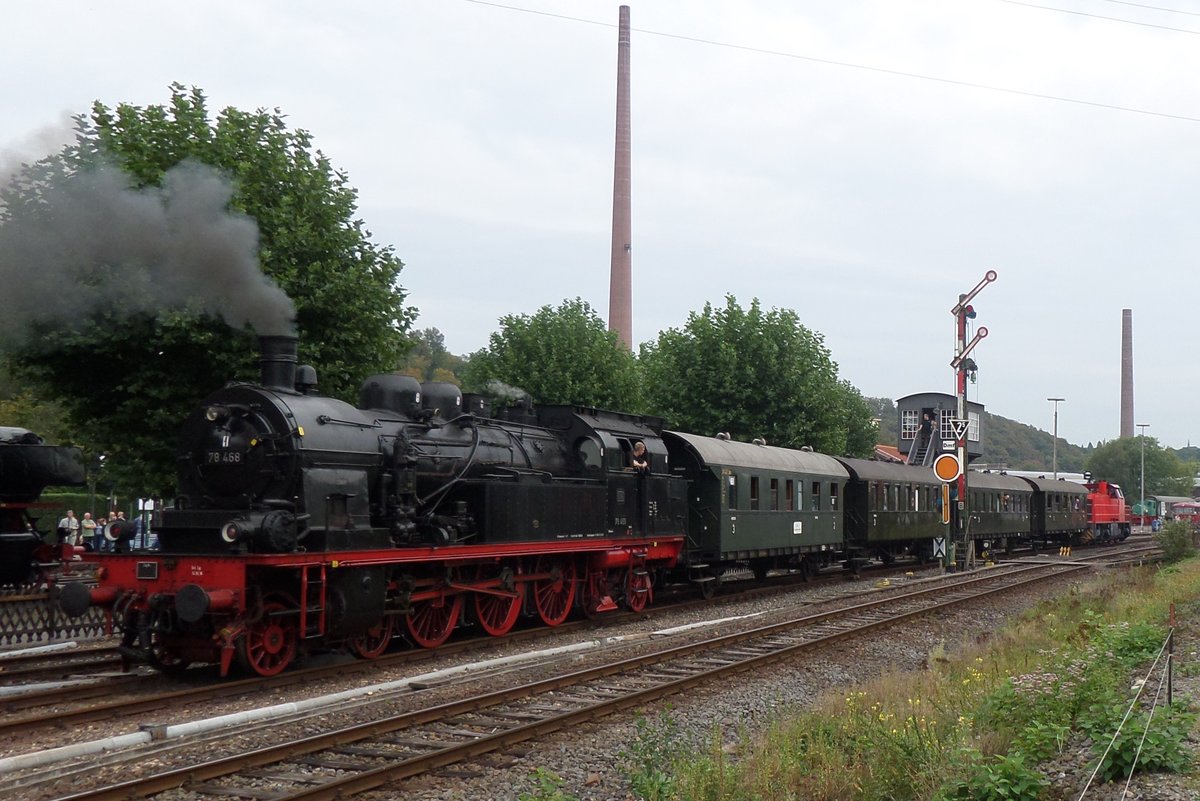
(93, 242)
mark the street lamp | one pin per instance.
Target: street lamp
(1142, 436)
(1056, 401)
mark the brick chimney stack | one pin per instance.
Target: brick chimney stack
(1127, 372)
(620, 288)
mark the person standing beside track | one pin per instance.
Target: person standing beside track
(87, 532)
(68, 528)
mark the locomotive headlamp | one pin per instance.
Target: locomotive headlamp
(231, 532)
(215, 414)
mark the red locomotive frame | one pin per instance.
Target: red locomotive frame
(548, 580)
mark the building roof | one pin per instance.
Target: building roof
(889, 453)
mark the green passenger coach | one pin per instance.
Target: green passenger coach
(759, 506)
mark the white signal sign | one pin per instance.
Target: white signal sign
(959, 427)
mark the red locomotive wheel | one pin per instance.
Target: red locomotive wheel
(431, 622)
(555, 594)
(637, 589)
(374, 641)
(496, 614)
(269, 644)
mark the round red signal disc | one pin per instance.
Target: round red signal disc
(946, 467)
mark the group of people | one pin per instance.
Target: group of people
(89, 532)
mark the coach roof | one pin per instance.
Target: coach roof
(729, 453)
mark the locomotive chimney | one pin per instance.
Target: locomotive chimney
(277, 361)
(620, 287)
(1126, 372)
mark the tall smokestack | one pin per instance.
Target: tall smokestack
(1126, 372)
(620, 291)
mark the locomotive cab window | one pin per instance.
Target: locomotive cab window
(590, 454)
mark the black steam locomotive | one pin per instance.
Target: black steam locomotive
(28, 466)
(304, 522)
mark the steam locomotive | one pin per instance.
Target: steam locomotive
(303, 522)
(28, 466)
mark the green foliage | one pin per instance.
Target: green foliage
(559, 356)
(884, 410)
(1002, 777)
(1121, 461)
(862, 431)
(754, 374)
(430, 361)
(44, 418)
(1151, 743)
(549, 788)
(1176, 540)
(649, 761)
(125, 380)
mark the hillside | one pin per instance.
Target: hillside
(1006, 443)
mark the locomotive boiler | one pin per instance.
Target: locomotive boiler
(305, 522)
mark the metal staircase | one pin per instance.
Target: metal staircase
(921, 453)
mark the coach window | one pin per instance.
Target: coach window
(833, 495)
(754, 493)
(790, 495)
(731, 490)
(774, 495)
(816, 496)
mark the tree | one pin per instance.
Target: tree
(862, 423)
(565, 355)
(430, 361)
(128, 246)
(1121, 461)
(754, 374)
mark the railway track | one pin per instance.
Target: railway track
(352, 760)
(112, 697)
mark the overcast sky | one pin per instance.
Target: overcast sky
(860, 162)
